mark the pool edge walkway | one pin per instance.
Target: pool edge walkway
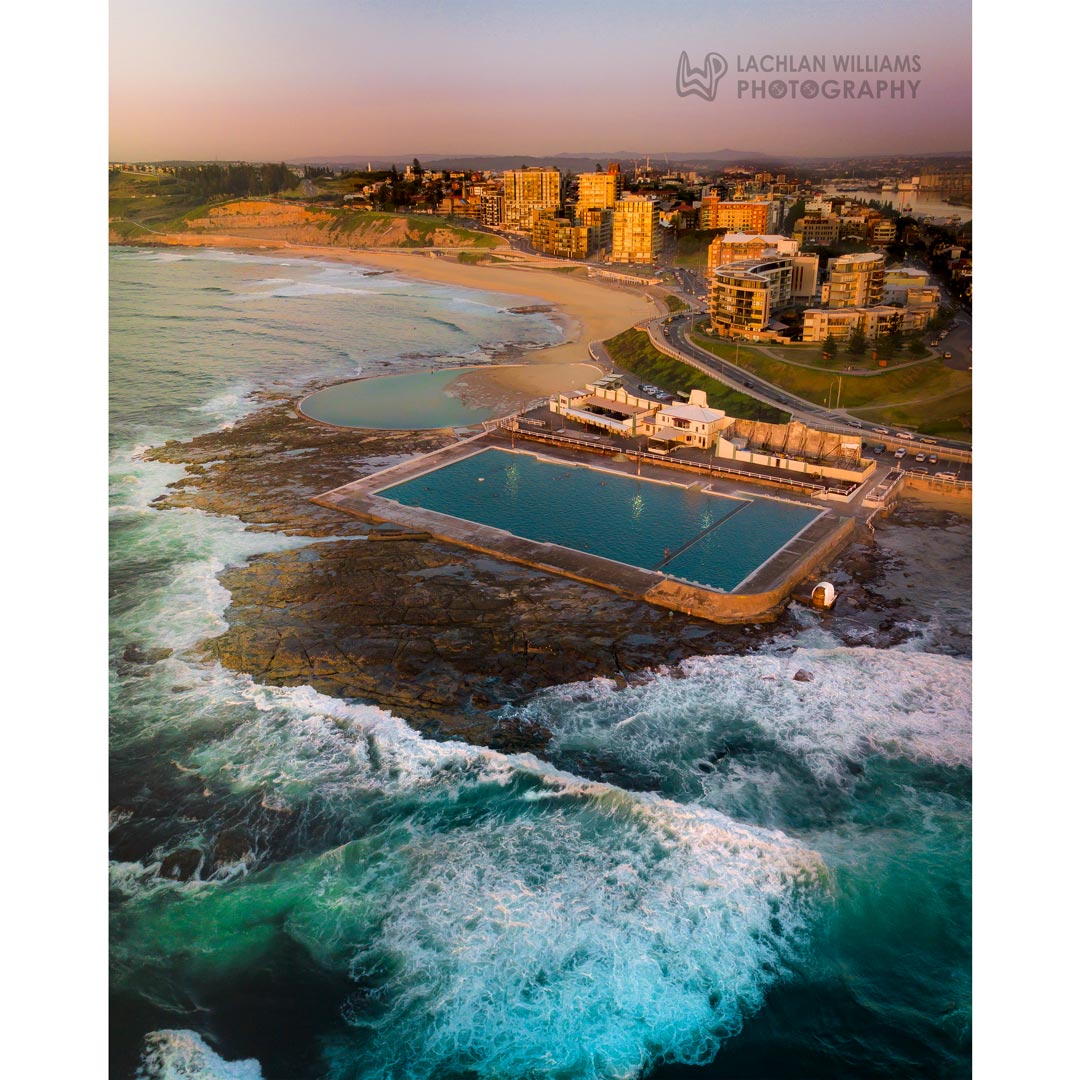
(759, 598)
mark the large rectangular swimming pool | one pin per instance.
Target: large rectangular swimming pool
(713, 540)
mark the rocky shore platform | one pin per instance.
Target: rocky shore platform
(441, 636)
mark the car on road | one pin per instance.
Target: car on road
(857, 423)
(879, 449)
(746, 382)
(880, 431)
(900, 453)
(947, 356)
(904, 435)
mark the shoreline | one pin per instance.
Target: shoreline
(584, 309)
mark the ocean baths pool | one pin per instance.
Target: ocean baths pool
(396, 402)
(698, 536)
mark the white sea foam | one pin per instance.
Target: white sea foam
(517, 920)
(230, 405)
(860, 702)
(183, 1055)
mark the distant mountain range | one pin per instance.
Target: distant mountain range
(586, 162)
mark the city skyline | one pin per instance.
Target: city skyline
(263, 81)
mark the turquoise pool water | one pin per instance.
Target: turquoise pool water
(399, 402)
(713, 540)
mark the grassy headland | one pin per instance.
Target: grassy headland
(150, 208)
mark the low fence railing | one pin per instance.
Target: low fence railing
(597, 445)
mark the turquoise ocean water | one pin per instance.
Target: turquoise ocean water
(721, 872)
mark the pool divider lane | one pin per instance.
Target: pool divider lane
(759, 598)
(704, 532)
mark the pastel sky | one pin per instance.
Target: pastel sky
(278, 79)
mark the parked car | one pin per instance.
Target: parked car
(879, 449)
(921, 472)
(932, 459)
(900, 453)
(920, 456)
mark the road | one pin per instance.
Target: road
(676, 339)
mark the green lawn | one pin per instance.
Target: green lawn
(674, 303)
(633, 351)
(148, 198)
(893, 396)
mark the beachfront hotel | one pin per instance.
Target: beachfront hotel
(526, 192)
(635, 230)
(560, 236)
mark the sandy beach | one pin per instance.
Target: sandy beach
(589, 310)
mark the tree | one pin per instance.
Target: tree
(856, 345)
(890, 344)
(416, 166)
(918, 349)
(798, 209)
(828, 347)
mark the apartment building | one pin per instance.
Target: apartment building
(743, 217)
(744, 295)
(526, 192)
(875, 322)
(560, 236)
(882, 231)
(817, 230)
(599, 190)
(491, 210)
(635, 230)
(854, 281)
(735, 247)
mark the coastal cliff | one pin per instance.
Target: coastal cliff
(277, 221)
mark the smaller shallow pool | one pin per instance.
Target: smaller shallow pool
(397, 402)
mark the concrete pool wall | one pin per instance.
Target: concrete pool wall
(759, 598)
